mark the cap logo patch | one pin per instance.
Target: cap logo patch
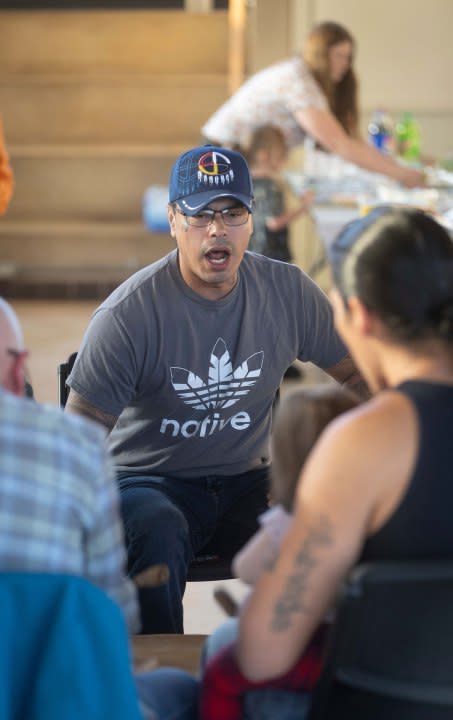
(214, 169)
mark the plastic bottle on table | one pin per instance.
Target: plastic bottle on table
(408, 140)
(380, 132)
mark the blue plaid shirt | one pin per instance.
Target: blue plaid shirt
(59, 503)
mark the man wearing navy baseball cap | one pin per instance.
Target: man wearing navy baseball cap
(182, 364)
(207, 173)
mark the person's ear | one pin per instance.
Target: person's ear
(17, 374)
(339, 306)
(361, 318)
(171, 215)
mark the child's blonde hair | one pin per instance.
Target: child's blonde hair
(266, 137)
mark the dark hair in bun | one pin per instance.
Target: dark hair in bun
(399, 263)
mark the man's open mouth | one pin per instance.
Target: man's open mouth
(217, 257)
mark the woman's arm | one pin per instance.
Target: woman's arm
(326, 129)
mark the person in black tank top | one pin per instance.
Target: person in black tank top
(377, 485)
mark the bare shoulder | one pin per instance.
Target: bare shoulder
(375, 428)
(77, 405)
(378, 418)
(362, 458)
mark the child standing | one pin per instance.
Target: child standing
(266, 157)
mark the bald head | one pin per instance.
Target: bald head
(12, 351)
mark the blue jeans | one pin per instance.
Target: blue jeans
(264, 704)
(171, 520)
(167, 694)
(173, 694)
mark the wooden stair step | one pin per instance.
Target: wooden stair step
(84, 244)
(107, 114)
(90, 186)
(96, 150)
(102, 40)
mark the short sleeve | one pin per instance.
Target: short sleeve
(321, 343)
(105, 371)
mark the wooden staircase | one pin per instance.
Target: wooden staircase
(96, 107)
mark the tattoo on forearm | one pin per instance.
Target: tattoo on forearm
(292, 600)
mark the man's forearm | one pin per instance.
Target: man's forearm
(77, 405)
(346, 373)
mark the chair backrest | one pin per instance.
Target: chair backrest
(203, 567)
(63, 371)
(390, 653)
(64, 651)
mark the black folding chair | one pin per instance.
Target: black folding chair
(203, 567)
(63, 372)
(390, 655)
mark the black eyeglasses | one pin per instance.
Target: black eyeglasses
(232, 217)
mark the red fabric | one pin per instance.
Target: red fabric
(224, 685)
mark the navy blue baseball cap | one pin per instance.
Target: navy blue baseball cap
(207, 173)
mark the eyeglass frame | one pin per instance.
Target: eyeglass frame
(212, 213)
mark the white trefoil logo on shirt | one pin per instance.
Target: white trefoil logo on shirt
(224, 388)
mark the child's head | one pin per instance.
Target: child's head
(299, 420)
(268, 148)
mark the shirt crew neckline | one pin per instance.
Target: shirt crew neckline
(194, 296)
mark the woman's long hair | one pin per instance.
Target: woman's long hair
(341, 96)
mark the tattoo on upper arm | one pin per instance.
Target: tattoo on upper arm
(292, 599)
(78, 405)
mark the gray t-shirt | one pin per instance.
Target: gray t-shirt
(193, 380)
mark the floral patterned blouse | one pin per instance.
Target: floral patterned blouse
(270, 97)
